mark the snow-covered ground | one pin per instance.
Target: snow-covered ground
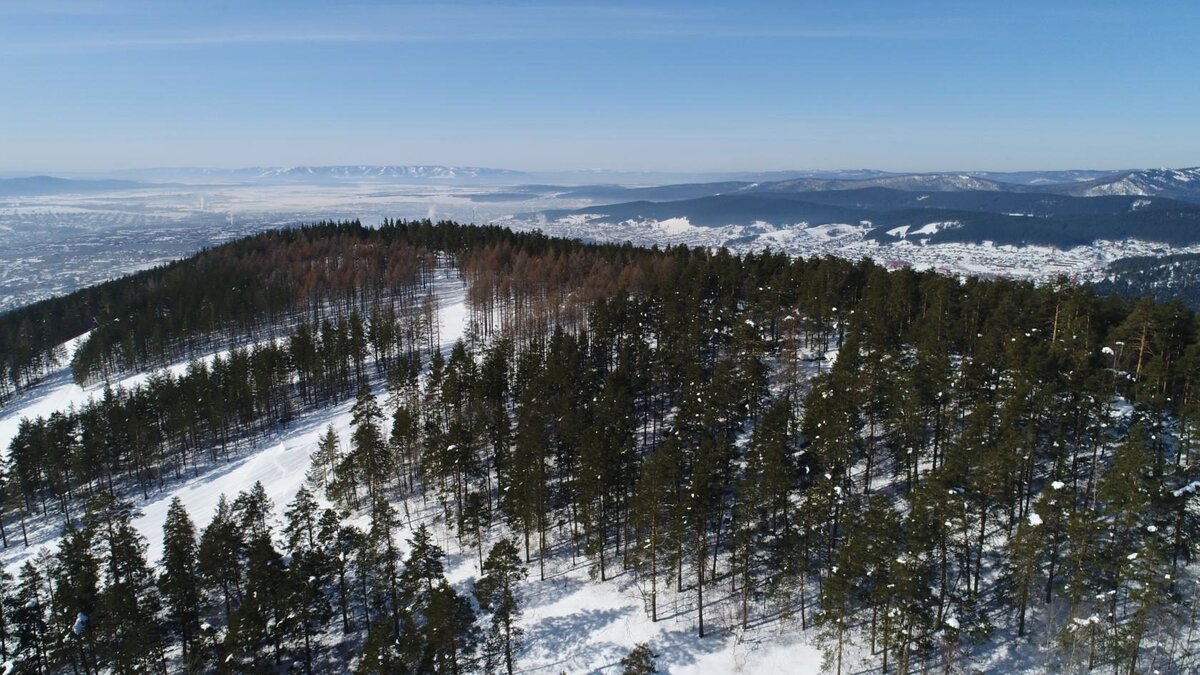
(56, 392)
(573, 624)
(1081, 263)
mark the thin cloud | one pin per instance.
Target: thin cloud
(43, 8)
(459, 23)
(216, 39)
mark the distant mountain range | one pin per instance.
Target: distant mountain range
(34, 186)
(1175, 183)
(659, 178)
(328, 173)
(1151, 205)
(589, 177)
(419, 172)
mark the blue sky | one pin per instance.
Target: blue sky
(676, 86)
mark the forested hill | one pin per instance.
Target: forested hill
(232, 291)
(1160, 277)
(1004, 218)
(924, 471)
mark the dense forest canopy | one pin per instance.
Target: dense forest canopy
(915, 460)
(1160, 277)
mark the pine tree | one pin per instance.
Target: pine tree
(331, 559)
(324, 461)
(362, 556)
(219, 556)
(344, 541)
(75, 577)
(370, 455)
(127, 630)
(262, 622)
(762, 523)
(385, 565)
(423, 567)
(6, 591)
(639, 661)
(706, 487)
(657, 499)
(301, 522)
(525, 499)
(496, 592)
(180, 580)
(439, 632)
(450, 632)
(475, 521)
(1022, 554)
(28, 613)
(404, 443)
(307, 601)
(381, 653)
(252, 509)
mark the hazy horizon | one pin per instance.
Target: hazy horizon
(125, 170)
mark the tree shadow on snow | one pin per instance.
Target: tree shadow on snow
(562, 643)
(539, 593)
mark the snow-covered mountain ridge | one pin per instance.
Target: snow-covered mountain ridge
(1148, 182)
(390, 171)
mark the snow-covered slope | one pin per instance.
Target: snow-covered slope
(1175, 183)
(573, 623)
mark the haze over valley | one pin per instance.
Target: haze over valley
(61, 234)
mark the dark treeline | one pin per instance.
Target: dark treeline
(981, 458)
(242, 595)
(171, 426)
(1173, 224)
